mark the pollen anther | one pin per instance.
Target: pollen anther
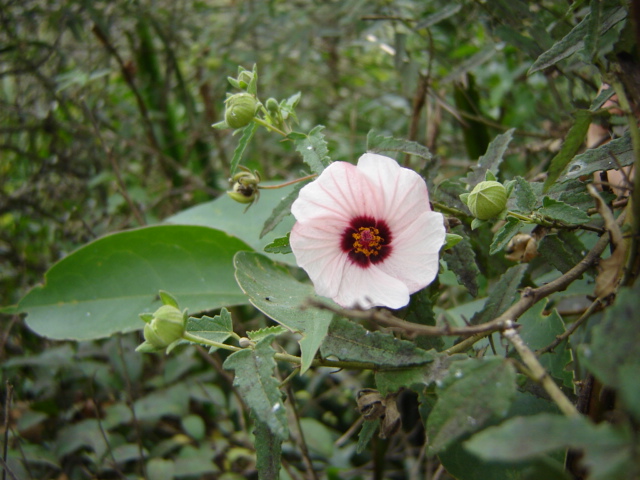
(367, 241)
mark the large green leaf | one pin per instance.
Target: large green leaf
(475, 392)
(229, 216)
(274, 291)
(99, 289)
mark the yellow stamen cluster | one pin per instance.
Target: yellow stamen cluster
(367, 241)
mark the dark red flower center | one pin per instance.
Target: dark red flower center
(367, 241)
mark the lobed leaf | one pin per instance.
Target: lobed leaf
(503, 236)
(254, 380)
(502, 295)
(491, 160)
(247, 135)
(572, 143)
(613, 155)
(378, 143)
(216, 329)
(276, 293)
(282, 209)
(461, 260)
(279, 245)
(525, 195)
(563, 212)
(350, 341)
(478, 390)
(575, 39)
(313, 148)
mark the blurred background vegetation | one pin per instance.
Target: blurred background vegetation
(105, 115)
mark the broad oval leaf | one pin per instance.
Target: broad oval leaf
(101, 288)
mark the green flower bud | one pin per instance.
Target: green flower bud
(272, 106)
(166, 326)
(487, 199)
(240, 110)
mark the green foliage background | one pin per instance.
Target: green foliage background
(105, 126)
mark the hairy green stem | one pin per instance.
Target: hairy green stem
(268, 126)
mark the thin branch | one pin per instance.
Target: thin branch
(574, 326)
(538, 372)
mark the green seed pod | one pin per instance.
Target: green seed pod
(245, 186)
(487, 200)
(166, 327)
(240, 110)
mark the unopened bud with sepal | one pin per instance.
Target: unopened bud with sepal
(487, 200)
(240, 110)
(164, 327)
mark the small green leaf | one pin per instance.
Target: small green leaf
(349, 341)
(525, 196)
(477, 391)
(448, 193)
(254, 380)
(477, 223)
(282, 210)
(279, 245)
(539, 330)
(563, 212)
(217, 329)
(461, 260)
(417, 377)
(378, 143)
(274, 291)
(502, 295)
(369, 427)
(562, 250)
(503, 236)
(257, 335)
(167, 299)
(592, 34)
(247, 135)
(451, 240)
(572, 143)
(491, 160)
(615, 154)
(313, 148)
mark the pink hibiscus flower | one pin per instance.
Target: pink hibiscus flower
(366, 234)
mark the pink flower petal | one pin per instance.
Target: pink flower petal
(382, 210)
(370, 288)
(343, 192)
(415, 258)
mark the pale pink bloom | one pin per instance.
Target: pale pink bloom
(366, 234)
